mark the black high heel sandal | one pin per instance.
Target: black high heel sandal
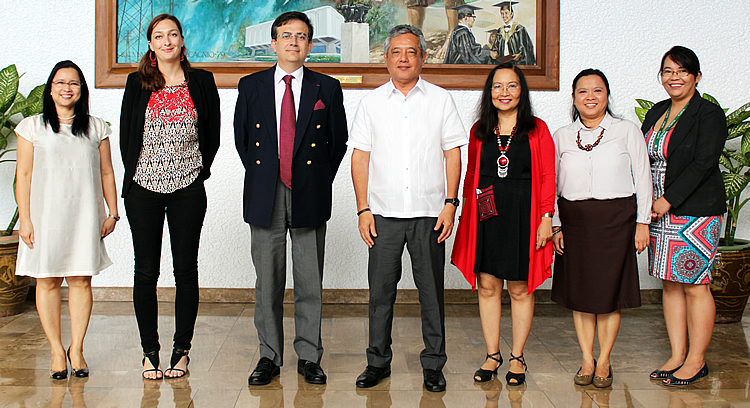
(520, 378)
(82, 373)
(177, 355)
(486, 375)
(153, 358)
(59, 375)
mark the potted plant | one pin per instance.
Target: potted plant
(13, 107)
(730, 283)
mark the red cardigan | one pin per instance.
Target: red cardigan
(542, 201)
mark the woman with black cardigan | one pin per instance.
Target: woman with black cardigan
(169, 135)
(685, 135)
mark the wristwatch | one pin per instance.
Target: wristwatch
(453, 201)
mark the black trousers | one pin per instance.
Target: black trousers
(185, 210)
(384, 273)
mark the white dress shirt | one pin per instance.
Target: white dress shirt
(279, 87)
(617, 167)
(406, 137)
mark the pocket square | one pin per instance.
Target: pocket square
(319, 105)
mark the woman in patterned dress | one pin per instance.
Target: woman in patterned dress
(64, 176)
(685, 135)
(169, 135)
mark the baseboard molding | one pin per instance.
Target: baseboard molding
(330, 296)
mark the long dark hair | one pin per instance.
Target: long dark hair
(525, 122)
(151, 78)
(586, 72)
(81, 110)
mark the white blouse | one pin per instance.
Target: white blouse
(617, 167)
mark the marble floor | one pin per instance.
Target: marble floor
(225, 350)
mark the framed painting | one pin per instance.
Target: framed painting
(232, 38)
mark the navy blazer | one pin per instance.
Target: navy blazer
(205, 97)
(319, 147)
(693, 184)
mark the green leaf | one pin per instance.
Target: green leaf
(645, 104)
(745, 145)
(738, 130)
(739, 157)
(734, 183)
(641, 113)
(712, 99)
(34, 102)
(726, 163)
(733, 118)
(18, 104)
(8, 87)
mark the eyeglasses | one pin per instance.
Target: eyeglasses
(287, 36)
(511, 87)
(681, 73)
(63, 84)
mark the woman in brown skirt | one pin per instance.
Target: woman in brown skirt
(604, 202)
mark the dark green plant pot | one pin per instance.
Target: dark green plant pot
(730, 282)
(13, 289)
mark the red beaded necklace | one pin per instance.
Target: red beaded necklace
(503, 161)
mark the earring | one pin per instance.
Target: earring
(182, 54)
(152, 57)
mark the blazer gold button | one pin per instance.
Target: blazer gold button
(313, 145)
(257, 162)
(257, 143)
(309, 162)
(257, 125)
(317, 127)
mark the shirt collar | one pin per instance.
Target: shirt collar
(605, 124)
(279, 74)
(390, 88)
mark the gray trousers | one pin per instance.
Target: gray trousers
(268, 250)
(384, 273)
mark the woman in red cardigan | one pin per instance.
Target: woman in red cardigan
(506, 226)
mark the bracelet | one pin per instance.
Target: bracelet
(116, 218)
(364, 210)
(557, 231)
(547, 215)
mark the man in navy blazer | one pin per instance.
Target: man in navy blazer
(298, 201)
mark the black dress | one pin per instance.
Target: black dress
(503, 240)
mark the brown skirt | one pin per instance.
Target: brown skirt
(598, 272)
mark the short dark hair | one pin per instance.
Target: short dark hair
(465, 12)
(684, 57)
(81, 110)
(487, 120)
(151, 78)
(289, 16)
(586, 72)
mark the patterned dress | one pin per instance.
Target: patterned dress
(682, 248)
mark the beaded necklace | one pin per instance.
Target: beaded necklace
(503, 161)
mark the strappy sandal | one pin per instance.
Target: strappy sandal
(519, 378)
(483, 375)
(177, 355)
(153, 358)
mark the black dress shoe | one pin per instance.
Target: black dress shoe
(311, 371)
(264, 372)
(372, 376)
(434, 380)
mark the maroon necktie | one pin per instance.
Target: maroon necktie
(287, 128)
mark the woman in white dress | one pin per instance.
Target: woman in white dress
(64, 175)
